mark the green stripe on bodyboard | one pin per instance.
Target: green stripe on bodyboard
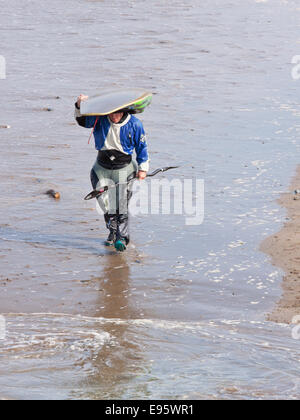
(140, 106)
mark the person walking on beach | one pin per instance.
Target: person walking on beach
(116, 136)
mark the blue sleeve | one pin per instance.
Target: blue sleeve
(140, 142)
(90, 122)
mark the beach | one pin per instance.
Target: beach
(283, 247)
(189, 311)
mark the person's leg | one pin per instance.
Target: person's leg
(101, 177)
(124, 194)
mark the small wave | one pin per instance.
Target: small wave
(53, 330)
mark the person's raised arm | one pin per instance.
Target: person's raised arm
(81, 98)
(141, 149)
(87, 122)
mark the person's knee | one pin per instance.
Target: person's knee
(122, 218)
(94, 179)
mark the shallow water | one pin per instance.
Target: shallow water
(182, 313)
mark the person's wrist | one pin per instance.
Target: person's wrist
(142, 174)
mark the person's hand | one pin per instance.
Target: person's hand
(141, 175)
(81, 98)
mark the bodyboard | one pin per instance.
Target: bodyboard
(134, 101)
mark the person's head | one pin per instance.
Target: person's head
(116, 117)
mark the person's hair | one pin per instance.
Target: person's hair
(128, 111)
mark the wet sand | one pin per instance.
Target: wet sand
(285, 252)
(183, 313)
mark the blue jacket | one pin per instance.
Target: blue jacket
(132, 136)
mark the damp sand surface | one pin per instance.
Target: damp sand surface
(184, 312)
(283, 246)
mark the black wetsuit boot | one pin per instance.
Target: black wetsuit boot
(111, 221)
